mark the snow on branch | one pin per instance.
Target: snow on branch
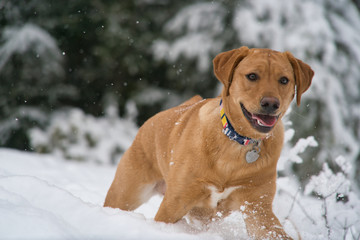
(30, 36)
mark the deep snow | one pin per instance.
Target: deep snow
(44, 197)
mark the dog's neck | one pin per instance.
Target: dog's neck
(229, 131)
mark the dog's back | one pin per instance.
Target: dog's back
(145, 164)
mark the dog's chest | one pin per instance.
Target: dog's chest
(216, 196)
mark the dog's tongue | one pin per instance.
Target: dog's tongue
(265, 120)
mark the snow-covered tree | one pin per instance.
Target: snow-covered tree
(31, 74)
(74, 135)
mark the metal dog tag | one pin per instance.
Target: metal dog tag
(252, 155)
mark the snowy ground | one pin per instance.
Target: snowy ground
(44, 197)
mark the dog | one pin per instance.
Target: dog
(210, 157)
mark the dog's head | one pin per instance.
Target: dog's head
(259, 84)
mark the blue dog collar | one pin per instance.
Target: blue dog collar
(229, 131)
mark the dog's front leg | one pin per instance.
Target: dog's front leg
(178, 202)
(261, 222)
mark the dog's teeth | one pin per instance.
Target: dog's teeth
(258, 122)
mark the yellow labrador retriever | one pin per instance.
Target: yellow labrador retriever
(210, 157)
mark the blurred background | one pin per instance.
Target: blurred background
(77, 78)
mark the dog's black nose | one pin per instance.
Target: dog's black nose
(269, 104)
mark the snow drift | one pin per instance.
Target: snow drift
(46, 197)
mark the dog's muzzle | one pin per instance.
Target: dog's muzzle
(261, 122)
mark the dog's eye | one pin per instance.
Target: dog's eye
(252, 77)
(284, 80)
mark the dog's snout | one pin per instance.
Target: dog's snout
(269, 104)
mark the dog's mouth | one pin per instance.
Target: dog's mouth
(261, 122)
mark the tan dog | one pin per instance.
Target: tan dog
(204, 171)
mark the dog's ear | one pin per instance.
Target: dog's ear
(225, 64)
(303, 75)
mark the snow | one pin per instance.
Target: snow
(327, 183)
(72, 134)
(47, 197)
(42, 197)
(202, 21)
(300, 147)
(30, 36)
